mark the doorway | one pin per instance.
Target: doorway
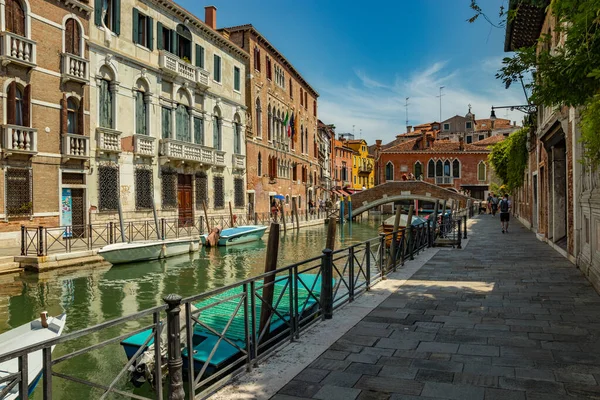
(534, 207)
(184, 200)
(250, 205)
(78, 210)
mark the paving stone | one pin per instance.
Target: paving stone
(335, 354)
(535, 374)
(286, 397)
(375, 351)
(392, 371)
(466, 359)
(345, 346)
(365, 369)
(439, 356)
(368, 331)
(429, 375)
(332, 365)
(359, 340)
(438, 347)
(395, 361)
(370, 395)
(329, 392)
(451, 391)
(438, 365)
(531, 385)
(475, 379)
(300, 389)
(503, 394)
(573, 377)
(363, 358)
(397, 344)
(341, 378)
(479, 350)
(382, 384)
(578, 389)
(489, 370)
(312, 375)
(533, 354)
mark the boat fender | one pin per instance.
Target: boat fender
(44, 318)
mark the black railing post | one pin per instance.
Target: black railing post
(411, 242)
(459, 234)
(23, 239)
(429, 233)
(368, 264)
(382, 245)
(326, 284)
(47, 372)
(162, 228)
(351, 274)
(465, 227)
(40, 241)
(110, 233)
(175, 362)
(255, 218)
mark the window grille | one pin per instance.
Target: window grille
(219, 192)
(201, 188)
(71, 178)
(108, 187)
(18, 192)
(238, 189)
(169, 188)
(143, 188)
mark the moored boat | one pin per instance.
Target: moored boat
(237, 235)
(388, 226)
(120, 253)
(34, 332)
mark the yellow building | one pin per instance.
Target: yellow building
(363, 171)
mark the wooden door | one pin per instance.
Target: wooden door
(78, 212)
(184, 200)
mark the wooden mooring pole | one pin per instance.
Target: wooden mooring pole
(330, 244)
(206, 217)
(269, 281)
(232, 223)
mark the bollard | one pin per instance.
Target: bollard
(326, 284)
(175, 362)
(40, 241)
(162, 228)
(465, 227)
(23, 240)
(459, 234)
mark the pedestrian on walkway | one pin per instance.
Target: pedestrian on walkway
(495, 202)
(489, 203)
(505, 213)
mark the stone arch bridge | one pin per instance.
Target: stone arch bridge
(390, 192)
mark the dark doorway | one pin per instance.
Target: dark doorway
(184, 200)
(78, 210)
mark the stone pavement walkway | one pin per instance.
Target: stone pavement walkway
(506, 318)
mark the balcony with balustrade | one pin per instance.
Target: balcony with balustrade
(444, 180)
(177, 150)
(75, 147)
(365, 169)
(15, 49)
(238, 161)
(19, 140)
(219, 158)
(74, 69)
(143, 146)
(108, 141)
(175, 66)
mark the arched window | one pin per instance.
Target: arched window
(389, 171)
(14, 17)
(19, 107)
(456, 168)
(270, 124)
(481, 171)
(141, 113)
(418, 170)
(301, 138)
(237, 135)
(184, 43)
(259, 167)
(431, 169)
(278, 126)
(106, 104)
(183, 123)
(439, 168)
(72, 116)
(258, 119)
(447, 171)
(72, 37)
(217, 130)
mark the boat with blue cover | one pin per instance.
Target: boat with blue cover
(218, 317)
(237, 235)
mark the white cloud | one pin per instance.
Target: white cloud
(378, 107)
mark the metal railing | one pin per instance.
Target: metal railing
(250, 318)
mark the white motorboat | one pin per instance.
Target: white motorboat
(36, 331)
(238, 235)
(120, 253)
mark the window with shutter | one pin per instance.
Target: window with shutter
(166, 122)
(217, 133)
(106, 106)
(431, 169)
(72, 37)
(198, 130)
(140, 114)
(217, 68)
(14, 17)
(236, 79)
(11, 104)
(72, 117)
(19, 108)
(199, 56)
(27, 106)
(183, 123)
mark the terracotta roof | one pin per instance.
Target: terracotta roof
(250, 27)
(487, 123)
(437, 146)
(489, 141)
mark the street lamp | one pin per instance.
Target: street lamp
(524, 108)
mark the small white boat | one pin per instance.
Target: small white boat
(238, 235)
(120, 253)
(27, 335)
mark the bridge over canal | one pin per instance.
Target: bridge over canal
(390, 192)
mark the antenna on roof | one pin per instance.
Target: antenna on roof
(440, 96)
(406, 107)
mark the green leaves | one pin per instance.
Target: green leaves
(509, 159)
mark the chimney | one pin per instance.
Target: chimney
(378, 143)
(210, 16)
(423, 139)
(461, 143)
(408, 128)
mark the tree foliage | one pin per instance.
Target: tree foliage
(565, 64)
(509, 159)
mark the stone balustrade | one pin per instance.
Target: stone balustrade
(74, 68)
(17, 49)
(75, 146)
(19, 139)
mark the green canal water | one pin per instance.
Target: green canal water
(90, 296)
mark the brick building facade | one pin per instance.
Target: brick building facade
(343, 158)
(44, 103)
(277, 163)
(452, 165)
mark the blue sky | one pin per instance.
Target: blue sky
(365, 58)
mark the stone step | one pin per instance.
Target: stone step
(9, 267)
(439, 242)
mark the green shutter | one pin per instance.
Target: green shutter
(150, 30)
(136, 22)
(174, 42)
(98, 12)
(159, 37)
(117, 17)
(199, 56)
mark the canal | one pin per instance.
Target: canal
(90, 296)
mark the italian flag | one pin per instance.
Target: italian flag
(286, 123)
